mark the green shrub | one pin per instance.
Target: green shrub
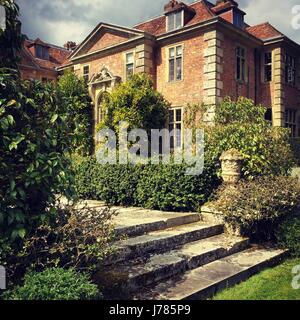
(74, 98)
(80, 238)
(136, 102)
(241, 125)
(288, 234)
(168, 188)
(257, 207)
(55, 284)
(34, 138)
(163, 187)
(295, 144)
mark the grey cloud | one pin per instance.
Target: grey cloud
(57, 20)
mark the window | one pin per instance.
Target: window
(269, 115)
(42, 52)
(268, 67)
(175, 123)
(290, 121)
(240, 64)
(86, 74)
(290, 70)
(100, 110)
(175, 20)
(129, 65)
(44, 79)
(175, 63)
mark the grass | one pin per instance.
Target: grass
(271, 284)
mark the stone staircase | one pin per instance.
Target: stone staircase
(170, 256)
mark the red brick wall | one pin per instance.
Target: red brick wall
(231, 87)
(37, 74)
(190, 89)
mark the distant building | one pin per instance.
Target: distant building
(39, 60)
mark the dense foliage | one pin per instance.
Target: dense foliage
(257, 207)
(78, 237)
(34, 136)
(241, 125)
(288, 234)
(74, 98)
(55, 284)
(10, 38)
(137, 103)
(164, 187)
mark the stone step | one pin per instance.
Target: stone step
(161, 241)
(134, 222)
(204, 282)
(127, 277)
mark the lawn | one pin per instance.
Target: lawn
(271, 284)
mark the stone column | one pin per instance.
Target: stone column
(213, 69)
(279, 96)
(231, 161)
(144, 60)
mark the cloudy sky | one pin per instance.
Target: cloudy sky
(57, 21)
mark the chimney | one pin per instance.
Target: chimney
(70, 45)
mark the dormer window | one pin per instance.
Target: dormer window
(41, 52)
(175, 20)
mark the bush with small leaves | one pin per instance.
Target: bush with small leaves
(55, 284)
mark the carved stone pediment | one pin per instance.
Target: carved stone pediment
(104, 76)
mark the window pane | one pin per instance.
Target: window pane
(178, 68)
(86, 69)
(171, 116)
(243, 70)
(129, 57)
(129, 70)
(178, 115)
(171, 70)
(179, 51)
(238, 68)
(178, 20)
(268, 57)
(172, 53)
(171, 22)
(268, 73)
(178, 135)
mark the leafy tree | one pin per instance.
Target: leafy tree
(11, 38)
(34, 138)
(75, 99)
(241, 125)
(137, 103)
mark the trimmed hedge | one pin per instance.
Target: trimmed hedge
(162, 187)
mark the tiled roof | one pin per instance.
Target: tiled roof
(157, 26)
(57, 55)
(264, 31)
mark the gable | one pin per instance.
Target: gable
(106, 39)
(105, 36)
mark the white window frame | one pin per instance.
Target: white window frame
(175, 58)
(130, 63)
(173, 125)
(267, 65)
(174, 26)
(86, 76)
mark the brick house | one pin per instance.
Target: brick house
(39, 60)
(197, 53)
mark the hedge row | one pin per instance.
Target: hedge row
(161, 187)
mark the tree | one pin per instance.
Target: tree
(137, 103)
(11, 38)
(74, 98)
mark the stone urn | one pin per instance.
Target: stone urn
(231, 161)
